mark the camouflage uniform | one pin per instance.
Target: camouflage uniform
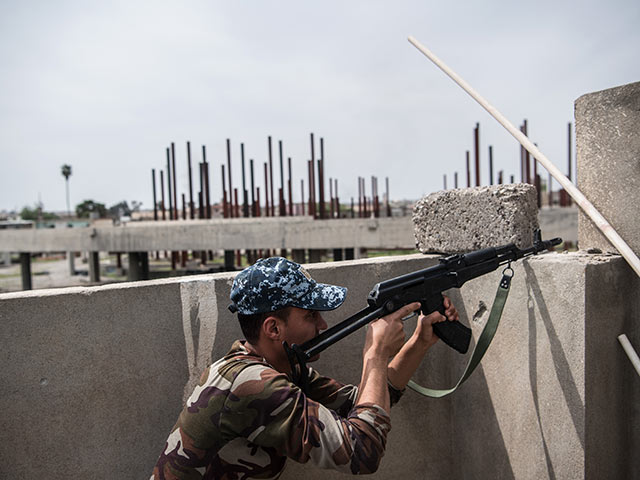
(245, 418)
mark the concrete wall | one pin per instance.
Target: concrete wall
(94, 378)
(220, 234)
(608, 149)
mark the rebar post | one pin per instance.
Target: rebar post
(175, 189)
(191, 207)
(231, 211)
(245, 194)
(155, 205)
(169, 184)
(476, 141)
(273, 210)
(164, 214)
(490, 165)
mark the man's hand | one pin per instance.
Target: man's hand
(424, 328)
(405, 363)
(385, 336)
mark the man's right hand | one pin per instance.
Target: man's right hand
(385, 336)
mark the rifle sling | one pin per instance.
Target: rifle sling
(483, 342)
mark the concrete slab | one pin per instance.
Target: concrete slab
(466, 219)
(222, 234)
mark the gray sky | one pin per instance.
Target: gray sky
(106, 86)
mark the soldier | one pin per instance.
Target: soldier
(246, 416)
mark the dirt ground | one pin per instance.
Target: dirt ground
(46, 272)
(52, 271)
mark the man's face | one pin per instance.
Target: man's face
(303, 325)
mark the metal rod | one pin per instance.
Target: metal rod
(312, 179)
(155, 204)
(191, 212)
(569, 150)
(387, 195)
(321, 179)
(245, 194)
(175, 189)
(311, 184)
(476, 141)
(266, 187)
(331, 194)
(468, 169)
(282, 204)
(290, 189)
(374, 194)
(205, 195)
(232, 213)
(253, 193)
(527, 158)
(523, 177)
(201, 193)
(164, 215)
(337, 199)
(169, 184)
(601, 223)
(225, 204)
(490, 165)
(273, 210)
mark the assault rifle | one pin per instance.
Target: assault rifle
(424, 286)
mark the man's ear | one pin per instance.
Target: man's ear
(271, 327)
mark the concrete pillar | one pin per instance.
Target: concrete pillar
(138, 266)
(25, 269)
(299, 255)
(94, 267)
(72, 263)
(608, 163)
(229, 260)
(5, 259)
(315, 255)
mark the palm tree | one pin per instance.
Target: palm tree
(66, 172)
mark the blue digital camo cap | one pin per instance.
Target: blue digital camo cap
(274, 283)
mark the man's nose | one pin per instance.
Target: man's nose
(322, 325)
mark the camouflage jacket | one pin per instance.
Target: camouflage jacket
(245, 418)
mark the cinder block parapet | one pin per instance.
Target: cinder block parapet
(463, 220)
(608, 149)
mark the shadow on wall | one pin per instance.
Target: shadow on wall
(478, 446)
(563, 371)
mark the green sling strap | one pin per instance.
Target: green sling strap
(483, 342)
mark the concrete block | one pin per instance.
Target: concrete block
(467, 219)
(608, 149)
